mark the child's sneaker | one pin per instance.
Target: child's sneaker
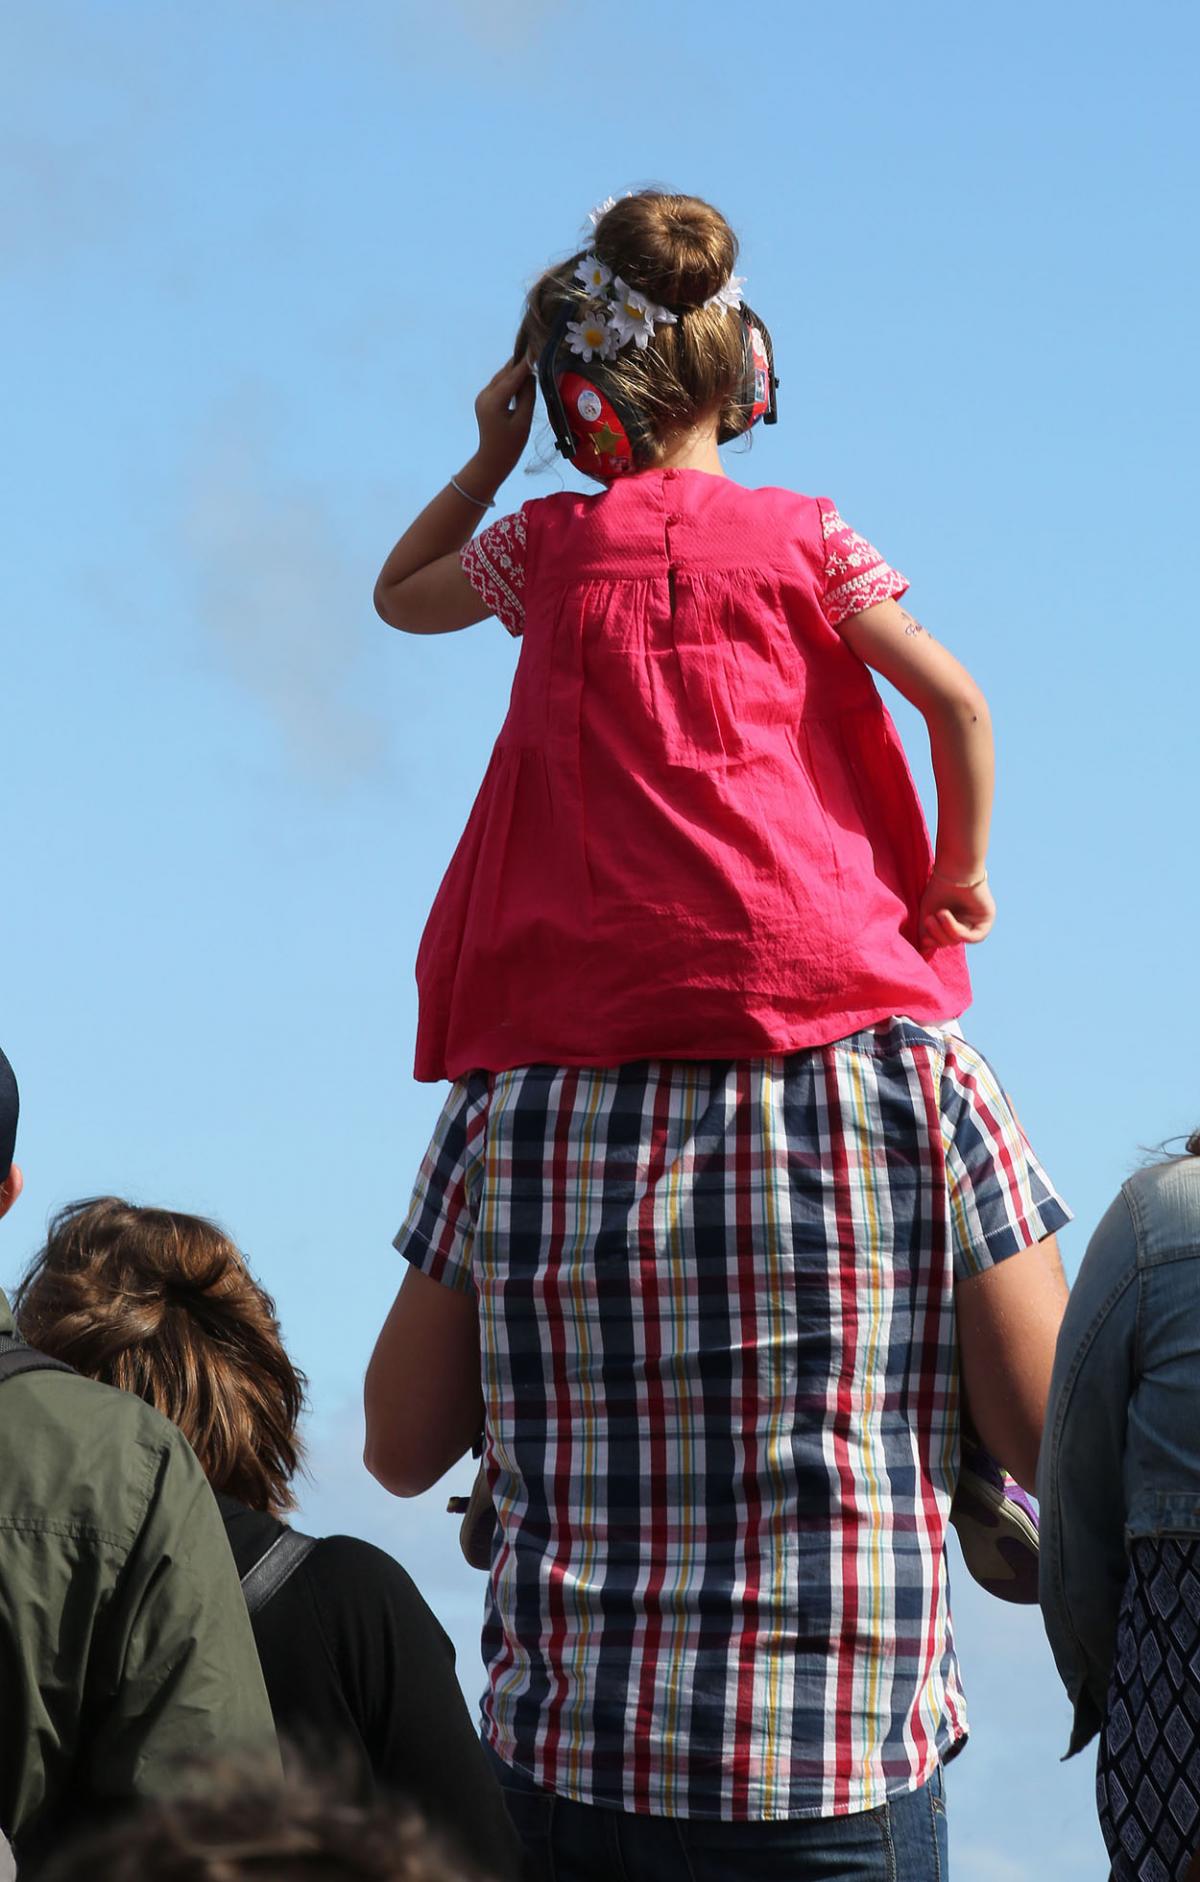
(997, 1526)
(478, 1525)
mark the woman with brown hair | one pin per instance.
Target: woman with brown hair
(357, 1668)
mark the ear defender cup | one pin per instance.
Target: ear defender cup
(591, 426)
(759, 383)
(595, 430)
(602, 447)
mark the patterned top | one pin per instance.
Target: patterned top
(856, 575)
(1148, 1767)
(720, 1373)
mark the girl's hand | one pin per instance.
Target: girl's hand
(504, 413)
(954, 911)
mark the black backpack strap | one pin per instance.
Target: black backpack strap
(16, 1357)
(273, 1567)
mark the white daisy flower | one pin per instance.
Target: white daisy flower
(590, 334)
(597, 215)
(594, 274)
(730, 295)
(634, 317)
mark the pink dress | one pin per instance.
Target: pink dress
(697, 837)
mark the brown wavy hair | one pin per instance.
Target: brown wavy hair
(164, 1305)
(676, 250)
(228, 1827)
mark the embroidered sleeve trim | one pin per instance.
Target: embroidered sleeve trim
(856, 575)
(494, 564)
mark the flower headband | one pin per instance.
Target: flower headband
(617, 313)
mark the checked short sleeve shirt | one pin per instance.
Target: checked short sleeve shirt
(716, 1304)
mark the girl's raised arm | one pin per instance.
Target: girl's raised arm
(957, 904)
(421, 587)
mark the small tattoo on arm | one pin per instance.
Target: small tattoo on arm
(911, 626)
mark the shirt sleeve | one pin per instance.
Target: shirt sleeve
(438, 1233)
(494, 564)
(856, 575)
(1001, 1199)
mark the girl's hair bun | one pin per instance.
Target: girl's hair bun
(677, 250)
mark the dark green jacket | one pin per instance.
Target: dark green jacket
(125, 1647)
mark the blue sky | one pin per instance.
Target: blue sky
(257, 258)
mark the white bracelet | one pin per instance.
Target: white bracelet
(482, 503)
(955, 884)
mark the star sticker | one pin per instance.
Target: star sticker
(606, 441)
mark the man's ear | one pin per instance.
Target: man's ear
(10, 1189)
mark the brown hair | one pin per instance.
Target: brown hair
(1193, 1144)
(235, 1829)
(163, 1305)
(676, 250)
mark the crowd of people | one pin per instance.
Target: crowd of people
(729, 1257)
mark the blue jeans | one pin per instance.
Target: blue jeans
(903, 1840)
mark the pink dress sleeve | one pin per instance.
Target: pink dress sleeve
(494, 564)
(856, 575)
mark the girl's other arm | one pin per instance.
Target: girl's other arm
(421, 587)
(957, 905)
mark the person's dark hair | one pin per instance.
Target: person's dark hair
(238, 1831)
(163, 1305)
(677, 251)
(1193, 1144)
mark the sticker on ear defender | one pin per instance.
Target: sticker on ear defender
(762, 374)
(602, 447)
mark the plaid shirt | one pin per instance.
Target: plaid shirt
(720, 1371)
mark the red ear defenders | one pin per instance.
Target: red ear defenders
(595, 427)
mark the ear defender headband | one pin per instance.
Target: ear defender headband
(599, 431)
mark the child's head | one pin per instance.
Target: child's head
(678, 253)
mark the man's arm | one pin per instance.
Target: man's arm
(423, 1398)
(1008, 1319)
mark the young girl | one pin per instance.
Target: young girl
(716, 1186)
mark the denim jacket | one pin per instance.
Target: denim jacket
(1121, 1454)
